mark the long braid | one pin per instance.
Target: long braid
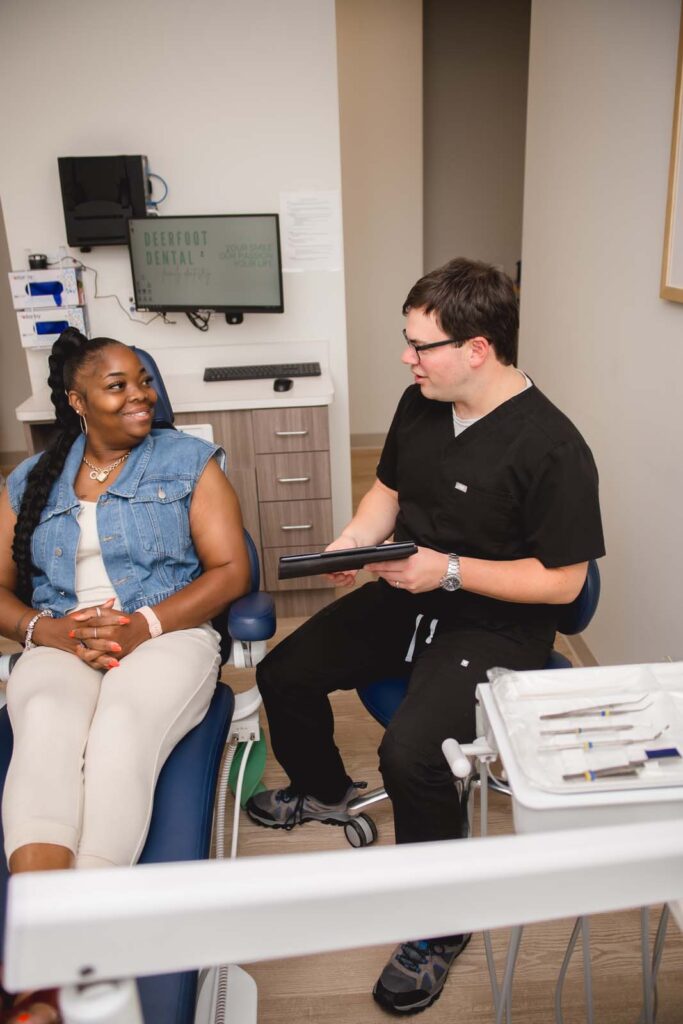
(69, 353)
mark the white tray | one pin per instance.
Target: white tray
(512, 706)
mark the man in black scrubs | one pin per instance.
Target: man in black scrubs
(500, 492)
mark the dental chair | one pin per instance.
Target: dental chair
(183, 813)
(383, 697)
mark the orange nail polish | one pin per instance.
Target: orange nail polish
(124, 621)
(72, 634)
(113, 663)
(116, 647)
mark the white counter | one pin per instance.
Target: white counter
(189, 393)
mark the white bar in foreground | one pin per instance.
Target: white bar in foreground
(67, 927)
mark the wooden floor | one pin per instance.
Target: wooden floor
(335, 988)
(363, 469)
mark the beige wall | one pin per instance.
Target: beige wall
(595, 335)
(14, 383)
(380, 91)
(475, 79)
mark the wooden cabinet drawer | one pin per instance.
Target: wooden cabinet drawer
(295, 522)
(293, 475)
(291, 430)
(270, 561)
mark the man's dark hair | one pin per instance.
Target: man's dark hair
(471, 299)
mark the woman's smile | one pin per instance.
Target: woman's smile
(142, 415)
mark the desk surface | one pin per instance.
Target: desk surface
(189, 393)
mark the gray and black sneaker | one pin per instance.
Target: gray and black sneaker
(284, 808)
(416, 973)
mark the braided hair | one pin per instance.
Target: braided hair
(69, 353)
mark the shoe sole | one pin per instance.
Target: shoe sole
(384, 1000)
(302, 821)
(400, 1011)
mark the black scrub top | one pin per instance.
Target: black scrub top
(518, 483)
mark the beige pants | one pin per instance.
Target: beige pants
(89, 746)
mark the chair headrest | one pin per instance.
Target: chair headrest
(163, 413)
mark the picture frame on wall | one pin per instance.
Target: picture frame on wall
(672, 260)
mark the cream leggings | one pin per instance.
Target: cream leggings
(89, 746)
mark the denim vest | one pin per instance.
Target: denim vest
(143, 523)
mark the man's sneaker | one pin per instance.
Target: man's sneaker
(283, 808)
(416, 973)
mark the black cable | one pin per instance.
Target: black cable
(135, 319)
(197, 320)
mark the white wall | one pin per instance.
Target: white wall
(475, 80)
(380, 87)
(14, 382)
(595, 335)
(232, 102)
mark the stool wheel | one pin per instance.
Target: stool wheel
(360, 831)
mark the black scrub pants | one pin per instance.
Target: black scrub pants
(366, 636)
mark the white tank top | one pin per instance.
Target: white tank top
(93, 585)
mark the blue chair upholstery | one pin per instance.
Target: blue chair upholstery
(180, 830)
(383, 697)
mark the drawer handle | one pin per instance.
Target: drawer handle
(301, 526)
(291, 433)
(293, 479)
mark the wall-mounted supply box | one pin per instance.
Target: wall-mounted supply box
(46, 289)
(40, 328)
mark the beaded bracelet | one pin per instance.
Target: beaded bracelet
(28, 636)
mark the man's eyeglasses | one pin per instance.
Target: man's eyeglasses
(418, 348)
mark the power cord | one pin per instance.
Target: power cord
(197, 320)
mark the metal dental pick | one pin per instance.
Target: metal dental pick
(622, 707)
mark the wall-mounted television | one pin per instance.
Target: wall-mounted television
(228, 263)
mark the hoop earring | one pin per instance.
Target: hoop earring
(84, 424)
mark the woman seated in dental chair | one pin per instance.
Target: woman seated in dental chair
(117, 547)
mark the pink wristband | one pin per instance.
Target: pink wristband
(155, 628)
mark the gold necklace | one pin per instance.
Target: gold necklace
(101, 474)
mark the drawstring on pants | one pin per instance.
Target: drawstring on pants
(432, 629)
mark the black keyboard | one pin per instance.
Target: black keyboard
(213, 373)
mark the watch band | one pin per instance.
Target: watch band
(452, 579)
(155, 627)
(28, 635)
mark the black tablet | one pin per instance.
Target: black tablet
(291, 566)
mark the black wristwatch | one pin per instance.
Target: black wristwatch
(452, 580)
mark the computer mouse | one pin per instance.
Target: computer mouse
(282, 384)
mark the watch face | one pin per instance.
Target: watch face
(450, 583)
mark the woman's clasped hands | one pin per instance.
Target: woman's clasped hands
(100, 636)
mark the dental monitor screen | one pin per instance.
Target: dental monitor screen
(228, 263)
